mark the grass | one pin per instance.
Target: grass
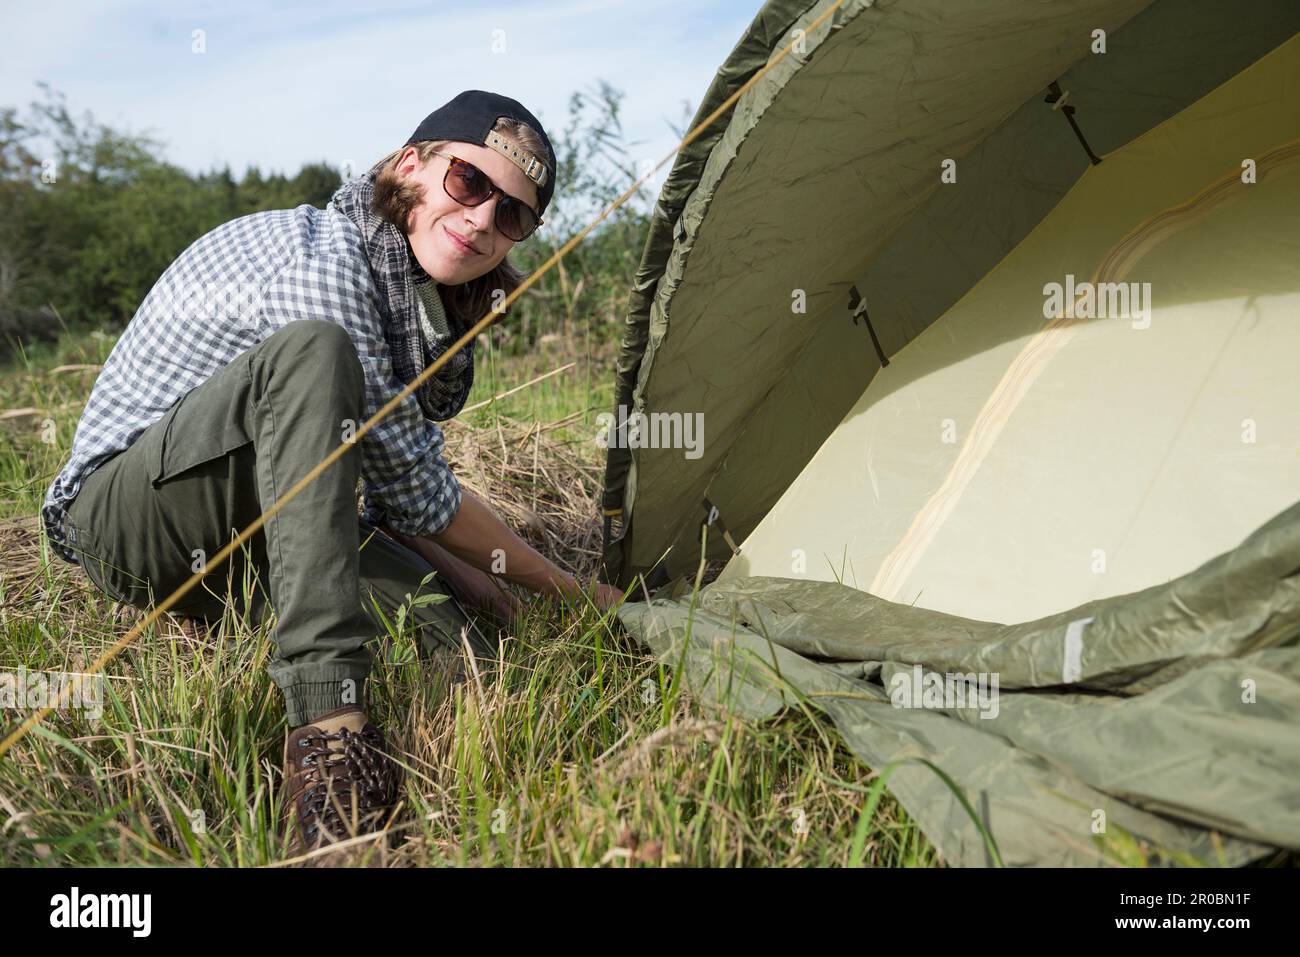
(577, 748)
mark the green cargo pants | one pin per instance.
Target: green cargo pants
(147, 519)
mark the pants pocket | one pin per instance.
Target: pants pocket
(178, 450)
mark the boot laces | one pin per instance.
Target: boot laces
(359, 766)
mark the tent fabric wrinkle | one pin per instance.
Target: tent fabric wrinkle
(1026, 510)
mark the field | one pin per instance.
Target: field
(578, 749)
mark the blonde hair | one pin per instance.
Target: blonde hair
(396, 198)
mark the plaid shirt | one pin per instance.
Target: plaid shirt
(229, 290)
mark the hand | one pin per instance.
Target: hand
(569, 589)
(480, 590)
(606, 596)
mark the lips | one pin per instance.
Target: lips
(461, 244)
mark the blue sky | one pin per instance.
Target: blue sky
(285, 83)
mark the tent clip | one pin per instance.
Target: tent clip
(858, 307)
(1057, 99)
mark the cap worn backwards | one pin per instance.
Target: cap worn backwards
(471, 116)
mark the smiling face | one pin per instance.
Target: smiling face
(455, 243)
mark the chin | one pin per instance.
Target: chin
(453, 275)
(440, 269)
(442, 274)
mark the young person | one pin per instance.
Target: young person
(262, 347)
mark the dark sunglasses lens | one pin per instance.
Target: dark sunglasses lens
(515, 220)
(466, 183)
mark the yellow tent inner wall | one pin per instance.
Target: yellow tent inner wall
(1003, 467)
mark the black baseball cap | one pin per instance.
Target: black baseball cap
(469, 118)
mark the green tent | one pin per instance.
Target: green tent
(963, 346)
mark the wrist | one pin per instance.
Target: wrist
(549, 579)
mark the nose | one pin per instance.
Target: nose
(482, 216)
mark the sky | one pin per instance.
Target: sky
(279, 84)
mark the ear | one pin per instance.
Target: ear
(408, 162)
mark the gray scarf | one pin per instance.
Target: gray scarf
(392, 264)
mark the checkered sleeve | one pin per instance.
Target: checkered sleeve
(407, 482)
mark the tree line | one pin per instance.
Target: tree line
(91, 216)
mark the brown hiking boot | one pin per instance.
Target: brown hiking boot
(340, 781)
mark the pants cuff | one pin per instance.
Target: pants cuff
(308, 700)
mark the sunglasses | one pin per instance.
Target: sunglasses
(470, 186)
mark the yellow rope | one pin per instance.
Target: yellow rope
(117, 647)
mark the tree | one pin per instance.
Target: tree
(90, 216)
